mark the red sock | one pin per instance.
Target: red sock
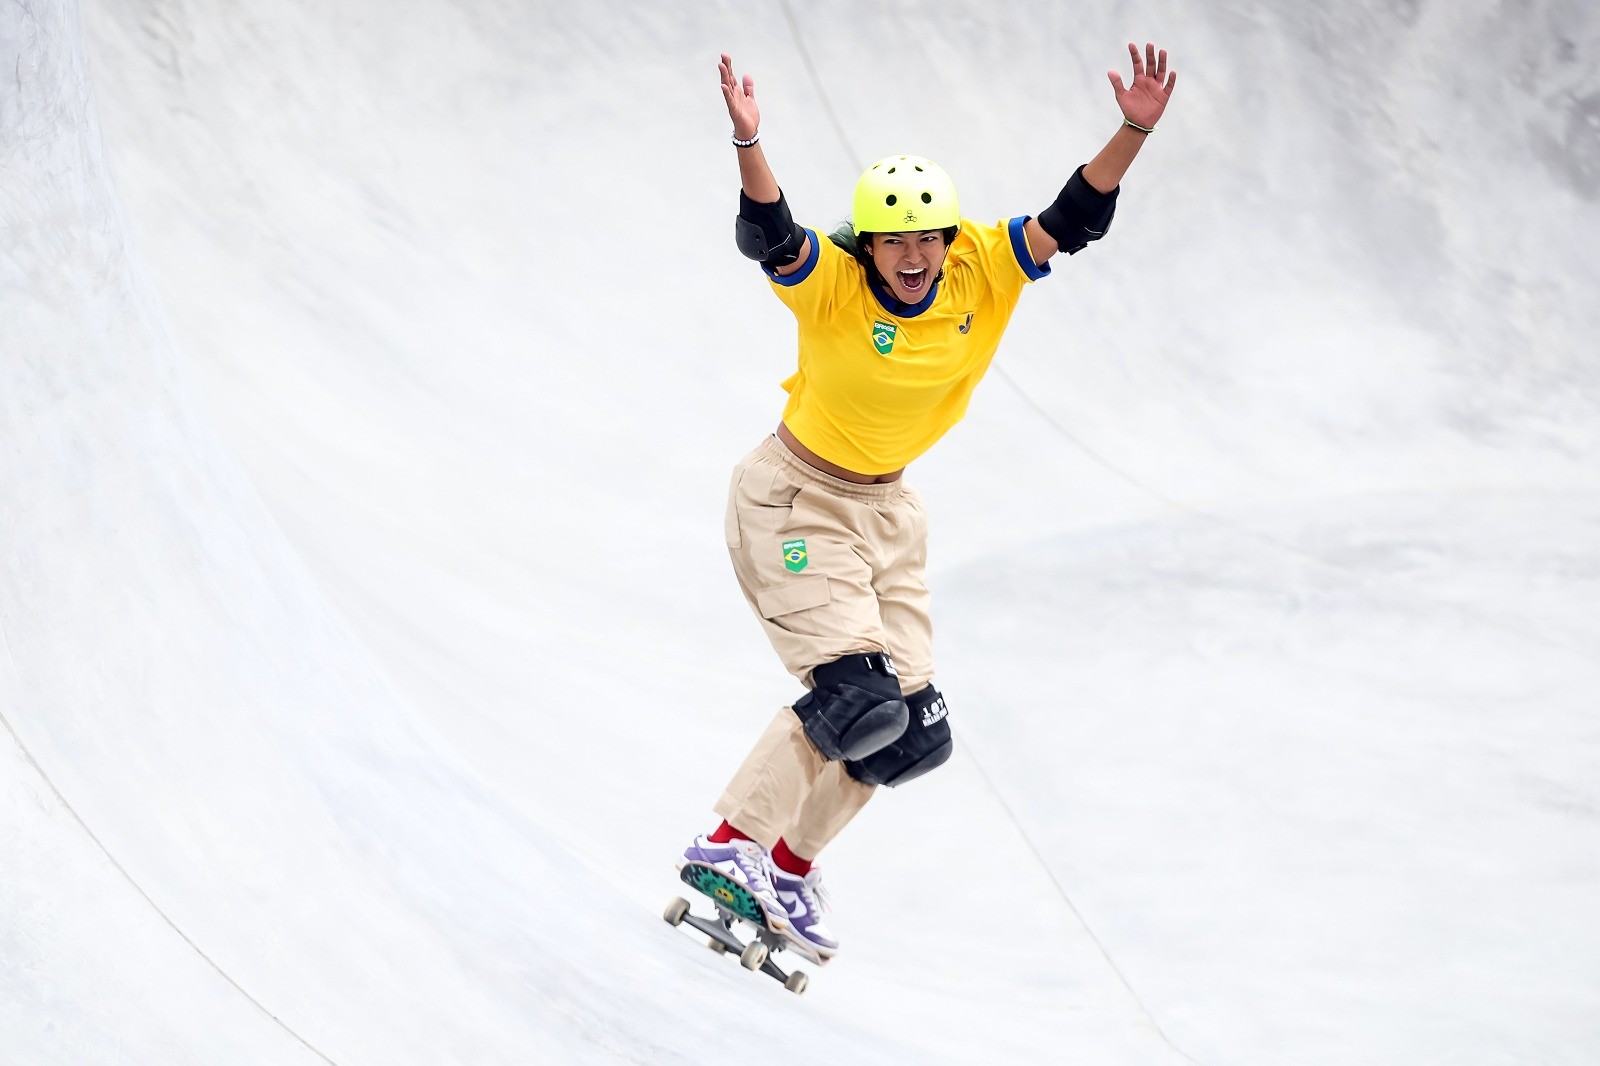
(725, 833)
(788, 861)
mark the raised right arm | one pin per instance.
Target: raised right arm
(765, 231)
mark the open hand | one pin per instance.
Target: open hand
(741, 100)
(1143, 102)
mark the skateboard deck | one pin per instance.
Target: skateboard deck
(735, 906)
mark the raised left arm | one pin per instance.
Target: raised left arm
(1082, 212)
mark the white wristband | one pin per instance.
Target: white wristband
(1125, 121)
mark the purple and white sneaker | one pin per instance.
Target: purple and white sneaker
(746, 865)
(805, 901)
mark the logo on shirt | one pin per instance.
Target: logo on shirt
(966, 326)
(794, 555)
(883, 336)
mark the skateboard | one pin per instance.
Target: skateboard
(735, 907)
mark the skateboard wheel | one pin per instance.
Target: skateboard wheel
(797, 983)
(754, 954)
(675, 911)
(718, 946)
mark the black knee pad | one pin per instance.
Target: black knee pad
(925, 745)
(854, 708)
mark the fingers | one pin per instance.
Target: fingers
(730, 80)
(731, 88)
(1152, 63)
(1116, 82)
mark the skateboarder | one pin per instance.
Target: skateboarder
(899, 313)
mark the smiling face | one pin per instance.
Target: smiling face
(909, 261)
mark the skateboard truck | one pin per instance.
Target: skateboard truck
(756, 955)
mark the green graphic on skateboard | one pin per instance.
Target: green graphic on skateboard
(735, 905)
(725, 892)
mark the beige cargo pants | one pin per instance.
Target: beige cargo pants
(831, 569)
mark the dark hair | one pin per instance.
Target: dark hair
(859, 245)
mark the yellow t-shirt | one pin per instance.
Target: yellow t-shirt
(874, 388)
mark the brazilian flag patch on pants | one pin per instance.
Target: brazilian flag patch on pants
(794, 555)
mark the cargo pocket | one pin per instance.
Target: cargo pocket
(799, 594)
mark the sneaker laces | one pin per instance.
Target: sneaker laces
(759, 870)
(816, 897)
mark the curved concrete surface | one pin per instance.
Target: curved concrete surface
(368, 382)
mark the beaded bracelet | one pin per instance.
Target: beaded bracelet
(1125, 121)
(746, 144)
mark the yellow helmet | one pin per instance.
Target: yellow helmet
(904, 193)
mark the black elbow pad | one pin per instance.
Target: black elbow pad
(767, 232)
(1080, 214)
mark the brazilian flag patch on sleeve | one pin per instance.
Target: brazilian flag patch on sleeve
(794, 555)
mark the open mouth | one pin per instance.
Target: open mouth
(912, 281)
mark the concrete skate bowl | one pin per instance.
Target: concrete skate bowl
(369, 388)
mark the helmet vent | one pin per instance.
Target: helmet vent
(927, 198)
(891, 200)
(919, 170)
(893, 169)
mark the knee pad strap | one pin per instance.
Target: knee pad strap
(854, 707)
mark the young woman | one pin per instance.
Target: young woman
(900, 314)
